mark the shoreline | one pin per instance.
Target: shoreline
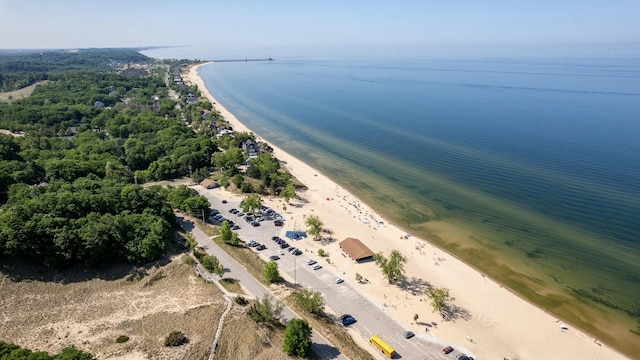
(501, 323)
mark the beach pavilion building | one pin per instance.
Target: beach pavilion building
(356, 249)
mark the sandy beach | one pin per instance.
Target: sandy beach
(493, 322)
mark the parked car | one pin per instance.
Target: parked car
(311, 262)
(284, 245)
(338, 281)
(252, 243)
(214, 212)
(260, 247)
(297, 252)
(316, 267)
(224, 201)
(274, 238)
(278, 223)
(408, 334)
(347, 319)
(240, 213)
(292, 249)
(447, 350)
(274, 257)
(235, 227)
(463, 357)
(255, 223)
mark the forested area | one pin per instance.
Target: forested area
(89, 136)
(22, 68)
(70, 184)
(15, 352)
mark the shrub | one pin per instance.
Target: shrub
(175, 338)
(240, 300)
(122, 339)
(321, 252)
(188, 260)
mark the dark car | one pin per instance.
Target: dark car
(224, 201)
(447, 350)
(463, 357)
(275, 238)
(408, 334)
(347, 319)
(284, 245)
(297, 252)
(255, 223)
(274, 257)
(278, 223)
(260, 247)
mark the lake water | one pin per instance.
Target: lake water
(534, 163)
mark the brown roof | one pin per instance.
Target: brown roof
(208, 183)
(355, 249)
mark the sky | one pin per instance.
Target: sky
(454, 27)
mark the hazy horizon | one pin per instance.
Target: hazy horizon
(283, 29)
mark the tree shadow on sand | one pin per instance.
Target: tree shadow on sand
(327, 240)
(415, 285)
(454, 312)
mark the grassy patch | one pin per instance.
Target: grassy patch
(232, 285)
(20, 93)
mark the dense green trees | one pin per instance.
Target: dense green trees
(90, 220)
(310, 300)
(314, 226)
(265, 310)
(270, 272)
(392, 267)
(15, 352)
(439, 298)
(288, 193)
(251, 204)
(297, 338)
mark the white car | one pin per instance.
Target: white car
(311, 262)
(338, 281)
(316, 267)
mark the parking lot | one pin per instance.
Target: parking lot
(312, 272)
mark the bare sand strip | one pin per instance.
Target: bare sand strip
(492, 322)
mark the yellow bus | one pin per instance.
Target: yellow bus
(382, 346)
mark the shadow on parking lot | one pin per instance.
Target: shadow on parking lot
(325, 351)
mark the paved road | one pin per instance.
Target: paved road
(341, 298)
(319, 344)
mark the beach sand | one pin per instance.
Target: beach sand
(492, 322)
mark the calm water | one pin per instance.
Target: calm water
(537, 161)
